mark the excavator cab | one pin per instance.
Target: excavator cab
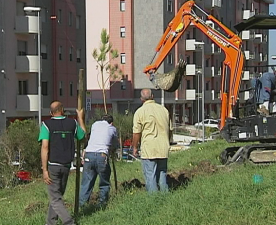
(253, 125)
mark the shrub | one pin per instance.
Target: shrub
(19, 144)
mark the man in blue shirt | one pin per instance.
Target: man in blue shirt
(57, 152)
(263, 88)
(103, 139)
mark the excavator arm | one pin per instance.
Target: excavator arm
(229, 42)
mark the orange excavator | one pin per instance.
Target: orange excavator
(234, 127)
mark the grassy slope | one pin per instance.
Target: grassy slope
(228, 196)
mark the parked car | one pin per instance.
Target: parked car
(209, 123)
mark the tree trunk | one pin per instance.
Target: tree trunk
(103, 89)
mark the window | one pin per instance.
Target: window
(71, 54)
(22, 87)
(207, 62)
(77, 22)
(122, 6)
(123, 58)
(122, 32)
(70, 19)
(78, 55)
(169, 5)
(188, 84)
(20, 8)
(60, 88)
(43, 15)
(207, 85)
(188, 59)
(43, 51)
(170, 59)
(59, 16)
(71, 88)
(22, 47)
(44, 88)
(60, 52)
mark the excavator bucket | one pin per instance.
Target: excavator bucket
(169, 81)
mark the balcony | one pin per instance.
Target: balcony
(244, 95)
(209, 4)
(219, 71)
(258, 57)
(264, 39)
(209, 72)
(258, 38)
(191, 46)
(27, 103)
(247, 14)
(190, 94)
(247, 35)
(269, 1)
(27, 64)
(215, 49)
(191, 69)
(248, 55)
(209, 96)
(26, 24)
(246, 75)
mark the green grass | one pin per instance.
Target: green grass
(227, 196)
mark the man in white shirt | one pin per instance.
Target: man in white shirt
(103, 138)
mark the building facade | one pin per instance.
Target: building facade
(70, 31)
(135, 28)
(62, 42)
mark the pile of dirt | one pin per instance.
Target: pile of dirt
(183, 177)
(176, 179)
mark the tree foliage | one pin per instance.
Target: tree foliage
(104, 56)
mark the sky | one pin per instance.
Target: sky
(272, 37)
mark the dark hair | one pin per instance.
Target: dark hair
(107, 118)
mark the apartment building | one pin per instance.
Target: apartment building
(135, 28)
(62, 44)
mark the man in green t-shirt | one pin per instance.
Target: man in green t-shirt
(57, 152)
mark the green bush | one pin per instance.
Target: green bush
(19, 144)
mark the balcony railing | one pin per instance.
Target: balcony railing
(190, 94)
(247, 35)
(191, 46)
(246, 75)
(209, 4)
(191, 69)
(215, 49)
(27, 64)
(258, 38)
(27, 103)
(247, 14)
(26, 24)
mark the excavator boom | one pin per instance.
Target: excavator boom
(230, 44)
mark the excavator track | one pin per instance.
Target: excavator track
(263, 153)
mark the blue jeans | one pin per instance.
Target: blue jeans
(95, 164)
(155, 172)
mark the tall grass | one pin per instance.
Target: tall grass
(227, 196)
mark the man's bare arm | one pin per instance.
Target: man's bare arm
(44, 160)
(135, 140)
(81, 119)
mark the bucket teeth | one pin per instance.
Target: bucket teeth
(170, 81)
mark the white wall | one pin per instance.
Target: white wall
(97, 18)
